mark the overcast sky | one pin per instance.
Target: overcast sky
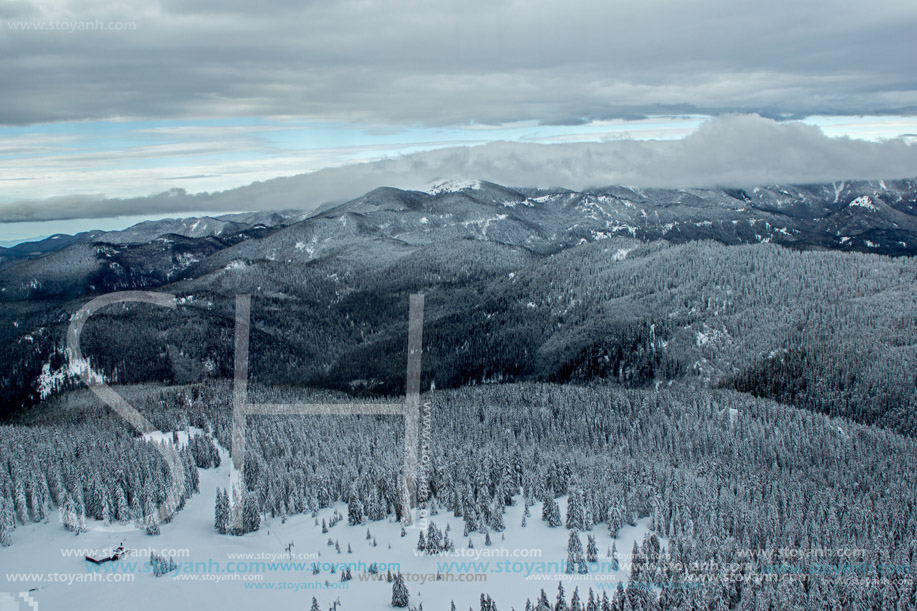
(448, 62)
(118, 100)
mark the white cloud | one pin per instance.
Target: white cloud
(735, 150)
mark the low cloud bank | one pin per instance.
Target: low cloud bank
(727, 151)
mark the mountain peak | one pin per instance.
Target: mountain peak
(450, 186)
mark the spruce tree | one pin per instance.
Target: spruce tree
(575, 603)
(576, 513)
(550, 512)
(574, 552)
(251, 517)
(221, 512)
(122, 510)
(7, 524)
(22, 507)
(592, 550)
(421, 543)
(561, 604)
(400, 595)
(543, 603)
(355, 513)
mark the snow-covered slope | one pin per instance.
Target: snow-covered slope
(255, 570)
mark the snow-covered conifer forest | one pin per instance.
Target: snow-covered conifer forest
(633, 400)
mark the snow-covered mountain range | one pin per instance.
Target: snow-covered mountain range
(520, 283)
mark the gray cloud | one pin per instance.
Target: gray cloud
(735, 150)
(407, 61)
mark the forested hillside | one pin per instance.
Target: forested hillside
(828, 331)
(520, 284)
(725, 478)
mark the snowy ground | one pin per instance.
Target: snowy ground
(514, 568)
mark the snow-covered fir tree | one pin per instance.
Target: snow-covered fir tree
(400, 594)
(221, 512)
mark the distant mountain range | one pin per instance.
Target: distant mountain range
(194, 227)
(868, 216)
(638, 285)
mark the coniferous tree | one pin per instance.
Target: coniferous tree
(122, 510)
(561, 601)
(221, 512)
(355, 513)
(434, 542)
(251, 517)
(400, 595)
(22, 508)
(550, 512)
(543, 602)
(592, 550)
(575, 603)
(636, 563)
(576, 512)
(487, 603)
(7, 523)
(574, 552)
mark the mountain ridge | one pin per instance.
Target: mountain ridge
(739, 288)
